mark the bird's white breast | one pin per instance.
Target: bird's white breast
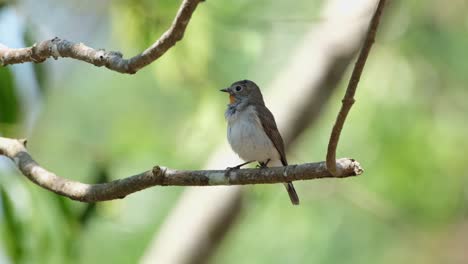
(247, 137)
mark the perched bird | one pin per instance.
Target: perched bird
(252, 131)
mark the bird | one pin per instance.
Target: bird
(252, 132)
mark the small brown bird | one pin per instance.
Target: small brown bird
(252, 131)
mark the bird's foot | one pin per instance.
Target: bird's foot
(233, 168)
(262, 165)
(239, 166)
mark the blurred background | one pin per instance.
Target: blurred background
(407, 128)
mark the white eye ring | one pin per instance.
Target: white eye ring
(238, 88)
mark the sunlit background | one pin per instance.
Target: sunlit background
(408, 129)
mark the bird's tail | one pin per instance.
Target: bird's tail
(292, 193)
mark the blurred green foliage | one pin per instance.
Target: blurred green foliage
(12, 230)
(408, 129)
(9, 108)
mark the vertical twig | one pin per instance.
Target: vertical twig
(348, 99)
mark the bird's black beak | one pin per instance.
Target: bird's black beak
(226, 90)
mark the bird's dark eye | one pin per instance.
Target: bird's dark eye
(238, 88)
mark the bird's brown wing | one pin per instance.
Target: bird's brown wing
(269, 125)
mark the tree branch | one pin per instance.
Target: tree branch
(348, 99)
(112, 60)
(16, 150)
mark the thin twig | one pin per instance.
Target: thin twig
(16, 151)
(348, 99)
(113, 60)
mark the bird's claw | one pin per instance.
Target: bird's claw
(238, 166)
(263, 165)
(233, 168)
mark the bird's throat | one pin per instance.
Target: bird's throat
(232, 99)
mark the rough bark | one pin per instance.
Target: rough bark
(113, 60)
(17, 152)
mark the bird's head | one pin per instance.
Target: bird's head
(244, 92)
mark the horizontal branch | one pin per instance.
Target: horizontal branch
(16, 150)
(113, 60)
